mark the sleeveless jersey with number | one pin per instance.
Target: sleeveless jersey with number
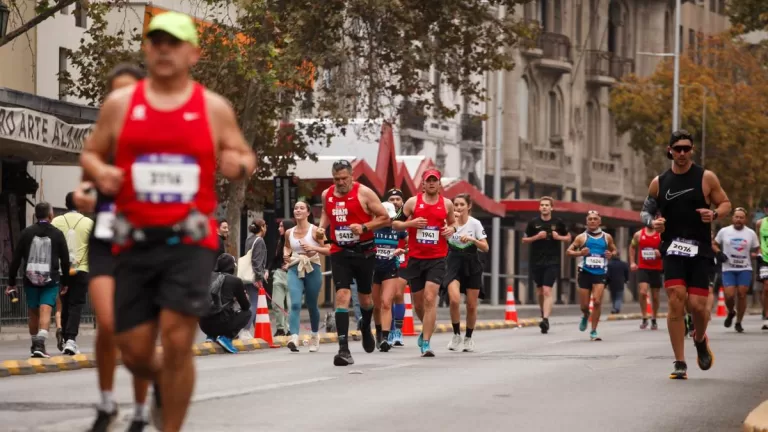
(427, 243)
(387, 241)
(595, 262)
(169, 161)
(343, 212)
(680, 195)
(764, 239)
(646, 251)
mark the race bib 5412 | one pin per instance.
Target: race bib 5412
(344, 235)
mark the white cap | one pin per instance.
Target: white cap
(390, 208)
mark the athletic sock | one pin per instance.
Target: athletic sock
(141, 412)
(392, 326)
(378, 329)
(367, 314)
(399, 315)
(456, 328)
(107, 402)
(469, 332)
(342, 326)
(42, 335)
(385, 334)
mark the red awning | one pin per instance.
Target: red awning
(575, 208)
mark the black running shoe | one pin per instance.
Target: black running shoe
(738, 327)
(59, 340)
(680, 372)
(343, 358)
(729, 319)
(644, 324)
(137, 425)
(369, 343)
(544, 325)
(378, 338)
(654, 325)
(38, 349)
(384, 346)
(104, 421)
(705, 358)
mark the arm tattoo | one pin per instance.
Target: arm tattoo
(650, 206)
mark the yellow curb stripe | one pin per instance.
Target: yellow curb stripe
(46, 365)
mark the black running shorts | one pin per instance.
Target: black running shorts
(652, 277)
(421, 271)
(545, 275)
(587, 280)
(346, 266)
(101, 262)
(380, 276)
(690, 272)
(762, 269)
(149, 279)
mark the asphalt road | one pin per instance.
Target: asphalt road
(516, 380)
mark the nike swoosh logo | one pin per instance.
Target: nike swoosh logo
(671, 196)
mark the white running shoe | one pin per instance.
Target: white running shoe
(469, 344)
(293, 344)
(314, 343)
(455, 344)
(70, 348)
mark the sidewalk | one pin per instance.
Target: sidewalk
(484, 313)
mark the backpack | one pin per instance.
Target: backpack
(38, 270)
(73, 242)
(216, 306)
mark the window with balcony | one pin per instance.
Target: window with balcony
(555, 118)
(594, 23)
(593, 128)
(557, 16)
(577, 23)
(522, 108)
(618, 29)
(81, 15)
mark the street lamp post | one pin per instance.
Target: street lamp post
(4, 14)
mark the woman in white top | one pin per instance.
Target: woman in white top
(302, 255)
(464, 272)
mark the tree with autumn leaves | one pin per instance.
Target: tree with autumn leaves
(327, 60)
(728, 82)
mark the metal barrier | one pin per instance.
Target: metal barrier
(18, 314)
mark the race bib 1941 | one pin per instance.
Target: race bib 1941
(165, 178)
(648, 254)
(428, 235)
(683, 247)
(105, 220)
(345, 236)
(594, 261)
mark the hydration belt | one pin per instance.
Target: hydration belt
(195, 226)
(365, 248)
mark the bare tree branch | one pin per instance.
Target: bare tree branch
(29, 25)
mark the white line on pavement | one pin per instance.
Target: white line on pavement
(260, 362)
(395, 366)
(248, 390)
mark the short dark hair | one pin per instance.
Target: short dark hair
(130, 69)
(42, 210)
(342, 164)
(221, 221)
(69, 201)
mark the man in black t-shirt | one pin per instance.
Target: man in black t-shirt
(545, 234)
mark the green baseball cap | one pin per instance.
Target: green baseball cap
(175, 24)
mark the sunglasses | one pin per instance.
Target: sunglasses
(593, 212)
(341, 164)
(682, 149)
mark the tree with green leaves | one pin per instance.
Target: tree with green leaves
(724, 95)
(751, 15)
(329, 60)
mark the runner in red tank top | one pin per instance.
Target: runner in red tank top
(168, 131)
(353, 212)
(430, 222)
(645, 249)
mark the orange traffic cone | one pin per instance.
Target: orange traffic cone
(591, 304)
(408, 328)
(721, 312)
(263, 328)
(649, 307)
(510, 314)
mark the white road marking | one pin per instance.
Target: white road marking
(248, 390)
(225, 366)
(395, 366)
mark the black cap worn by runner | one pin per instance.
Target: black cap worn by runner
(678, 135)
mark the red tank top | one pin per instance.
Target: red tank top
(343, 212)
(427, 243)
(169, 161)
(646, 251)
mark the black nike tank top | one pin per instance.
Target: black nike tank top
(679, 197)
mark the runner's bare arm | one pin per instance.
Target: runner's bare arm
(633, 248)
(237, 160)
(611, 244)
(717, 195)
(324, 248)
(574, 249)
(407, 211)
(99, 144)
(375, 208)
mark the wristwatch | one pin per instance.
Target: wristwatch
(365, 228)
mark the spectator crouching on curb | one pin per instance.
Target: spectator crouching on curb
(223, 322)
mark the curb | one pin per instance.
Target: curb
(85, 361)
(757, 420)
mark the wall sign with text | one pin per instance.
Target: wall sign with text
(32, 127)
